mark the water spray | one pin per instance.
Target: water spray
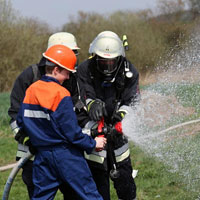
(157, 123)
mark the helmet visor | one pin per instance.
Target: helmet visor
(107, 65)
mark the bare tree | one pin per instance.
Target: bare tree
(170, 6)
(7, 13)
(194, 6)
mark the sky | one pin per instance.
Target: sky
(57, 12)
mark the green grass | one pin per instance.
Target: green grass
(4, 105)
(154, 180)
(7, 143)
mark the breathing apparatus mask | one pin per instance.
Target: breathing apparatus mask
(107, 66)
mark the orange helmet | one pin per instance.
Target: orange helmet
(62, 56)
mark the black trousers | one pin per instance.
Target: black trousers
(68, 192)
(124, 184)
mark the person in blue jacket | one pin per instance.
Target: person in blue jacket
(30, 75)
(47, 115)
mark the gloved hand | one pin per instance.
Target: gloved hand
(32, 149)
(21, 137)
(118, 116)
(96, 110)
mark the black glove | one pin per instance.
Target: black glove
(118, 116)
(94, 130)
(21, 137)
(96, 110)
(32, 149)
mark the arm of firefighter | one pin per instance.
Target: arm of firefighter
(91, 129)
(67, 122)
(21, 135)
(22, 82)
(120, 114)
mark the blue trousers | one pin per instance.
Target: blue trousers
(57, 165)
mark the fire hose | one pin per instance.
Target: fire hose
(13, 174)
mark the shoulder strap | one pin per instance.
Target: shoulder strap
(35, 72)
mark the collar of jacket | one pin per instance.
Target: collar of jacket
(49, 79)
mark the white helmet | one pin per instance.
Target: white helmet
(107, 39)
(108, 34)
(64, 38)
(107, 47)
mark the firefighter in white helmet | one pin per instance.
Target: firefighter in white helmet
(111, 85)
(24, 80)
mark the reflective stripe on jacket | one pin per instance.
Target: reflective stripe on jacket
(100, 157)
(47, 116)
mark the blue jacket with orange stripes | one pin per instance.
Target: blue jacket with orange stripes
(48, 117)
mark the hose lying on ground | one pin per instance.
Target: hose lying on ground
(170, 128)
(179, 125)
(4, 168)
(13, 174)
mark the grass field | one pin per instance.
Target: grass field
(154, 180)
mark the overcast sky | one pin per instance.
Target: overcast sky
(57, 12)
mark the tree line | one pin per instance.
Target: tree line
(151, 35)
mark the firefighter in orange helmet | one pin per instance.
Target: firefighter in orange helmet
(31, 74)
(48, 117)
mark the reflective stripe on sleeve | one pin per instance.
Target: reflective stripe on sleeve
(98, 157)
(121, 150)
(22, 147)
(22, 151)
(22, 154)
(126, 109)
(122, 153)
(123, 156)
(88, 101)
(14, 127)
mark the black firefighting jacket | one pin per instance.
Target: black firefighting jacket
(123, 91)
